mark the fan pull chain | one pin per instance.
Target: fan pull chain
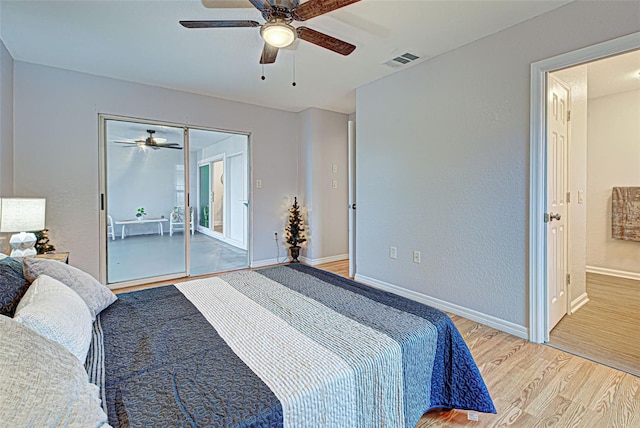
(294, 69)
(262, 77)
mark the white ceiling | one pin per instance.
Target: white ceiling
(620, 73)
(141, 41)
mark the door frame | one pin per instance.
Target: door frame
(538, 310)
(352, 197)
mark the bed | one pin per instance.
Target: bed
(283, 346)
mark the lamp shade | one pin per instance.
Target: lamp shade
(22, 214)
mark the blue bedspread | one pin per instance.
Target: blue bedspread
(166, 365)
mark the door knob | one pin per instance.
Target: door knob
(553, 216)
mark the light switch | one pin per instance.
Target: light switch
(334, 168)
(334, 184)
(580, 196)
(258, 184)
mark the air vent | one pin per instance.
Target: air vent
(402, 60)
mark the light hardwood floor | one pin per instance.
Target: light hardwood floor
(538, 386)
(607, 328)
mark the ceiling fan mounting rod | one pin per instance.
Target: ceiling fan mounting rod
(278, 12)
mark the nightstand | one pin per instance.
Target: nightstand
(61, 257)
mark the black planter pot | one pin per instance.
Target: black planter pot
(295, 253)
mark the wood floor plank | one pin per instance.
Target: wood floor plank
(627, 404)
(536, 385)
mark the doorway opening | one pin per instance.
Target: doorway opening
(154, 208)
(545, 265)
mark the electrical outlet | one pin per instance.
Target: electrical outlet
(334, 168)
(416, 256)
(258, 184)
(334, 184)
(393, 252)
(275, 235)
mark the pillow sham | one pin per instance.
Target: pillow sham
(13, 285)
(95, 295)
(42, 383)
(55, 311)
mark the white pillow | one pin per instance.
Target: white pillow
(55, 311)
(95, 295)
(43, 384)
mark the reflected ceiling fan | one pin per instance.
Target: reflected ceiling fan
(150, 141)
(278, 32)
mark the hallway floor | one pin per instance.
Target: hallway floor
(607, 328)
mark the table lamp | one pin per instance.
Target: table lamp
(21, 215)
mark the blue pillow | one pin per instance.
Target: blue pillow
(13, 285)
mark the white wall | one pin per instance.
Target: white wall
(576, 78)
(56, 149)
(443, 163)
(6, 132)
(614, 160)
(6, 122)
(323, 143)
(141, 179)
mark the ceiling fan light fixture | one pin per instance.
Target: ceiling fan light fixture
(278, 34)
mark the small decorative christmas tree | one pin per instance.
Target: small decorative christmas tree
(42, 243)
(295, 230)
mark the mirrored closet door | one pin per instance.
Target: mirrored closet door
(221, 184)
(152, 229)
(145, 200)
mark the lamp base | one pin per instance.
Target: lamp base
(22, 244)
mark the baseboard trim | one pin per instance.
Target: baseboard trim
(579, 302)
(322, 260)
(263, 263)
(613, 272)
(488, 320)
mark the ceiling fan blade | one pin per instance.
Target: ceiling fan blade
(269, 54)
(219, 24)
(261, 4)
(325, 41)
(314, 8)
(159, 146)
(126, 142)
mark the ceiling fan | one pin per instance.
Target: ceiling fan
(154, 143)
(278, 32)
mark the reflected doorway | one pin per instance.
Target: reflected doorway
(211, 196)
(217, 196)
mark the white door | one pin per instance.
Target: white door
(237, 201)
(352, 199)
(557, 187)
